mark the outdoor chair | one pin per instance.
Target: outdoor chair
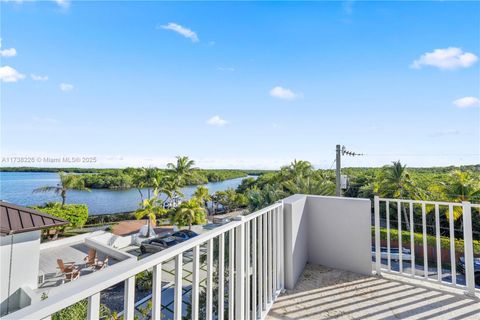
(68, 270)
(101, 264)
(91, 259)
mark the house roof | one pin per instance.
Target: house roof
(17, 219)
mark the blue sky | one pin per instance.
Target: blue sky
(245, 85)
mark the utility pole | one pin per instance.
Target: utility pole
(341, 151)
(338, 190)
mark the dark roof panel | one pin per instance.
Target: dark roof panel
(17, 219)
(37, 220)
(14, 217)
(26, 219)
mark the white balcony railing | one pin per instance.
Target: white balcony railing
(268, 250)
(408, 213)
(255, 274)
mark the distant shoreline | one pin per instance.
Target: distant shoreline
(250, 172)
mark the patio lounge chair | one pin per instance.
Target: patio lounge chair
(91, 259)
(101, 264)
(68, 270)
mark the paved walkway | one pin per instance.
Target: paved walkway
(324, 293)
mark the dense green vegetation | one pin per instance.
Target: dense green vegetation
(125, 178)
(452, 184)
(79, 311)
(76, 214)
(159, 188)
(168, 183)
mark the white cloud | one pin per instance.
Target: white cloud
(63, 3)
(283, 93)
(8, 74)
(446, 59)
(8, 53)
(66, 87)
(217, 121)
(36, 77)
(466, 102)
(187, 33)
(12, 52)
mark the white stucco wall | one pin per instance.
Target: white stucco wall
(339, 233)
(296, 238)
(329, 231)
(19, 267)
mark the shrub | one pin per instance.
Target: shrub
(76, 214)
(78, 311)
(431, 240)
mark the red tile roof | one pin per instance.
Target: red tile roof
(17, 219)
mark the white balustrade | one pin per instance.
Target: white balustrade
(254, 280)
(434, 210)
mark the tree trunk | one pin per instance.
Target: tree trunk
(148, 228)
(64, 198)
(405, 216)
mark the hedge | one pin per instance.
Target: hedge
(76, 214)
(431, 240)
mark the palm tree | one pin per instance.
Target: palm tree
(309, 185)
(260, 198)
(157, 182)
(397, 183)
(150, 208)
(149, 177)
(188, 211)
(183, 169)
(171, 188)
(296, 169)
(67, 181)
(138, 182)
(461, 187)
(203, 195)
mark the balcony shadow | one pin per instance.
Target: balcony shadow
(325, 293)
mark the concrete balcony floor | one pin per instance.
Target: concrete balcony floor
(324, 293)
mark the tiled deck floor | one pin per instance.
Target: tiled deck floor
(324, 293)
(68, 253)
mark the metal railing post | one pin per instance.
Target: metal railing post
(468, 241)
(378, 256)
(129, 302)
(93, 312)
(240, 271)
(157, 292)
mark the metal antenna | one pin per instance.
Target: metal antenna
(342, 151)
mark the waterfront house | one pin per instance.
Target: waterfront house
(30, 269)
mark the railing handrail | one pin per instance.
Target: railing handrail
(75, 291)
(410, 219)
(431, 202)
(258, 213)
